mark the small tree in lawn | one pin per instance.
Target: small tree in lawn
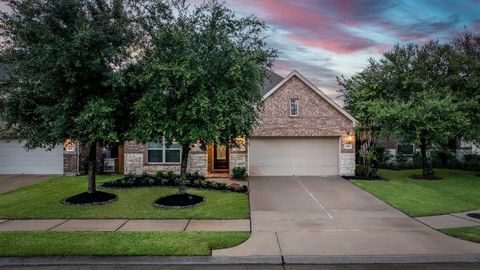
(427, 119)
(203, 72)
(67, 61)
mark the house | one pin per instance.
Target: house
(301, 131)
(396, 149)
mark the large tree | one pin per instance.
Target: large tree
(203, 70)
(67, 61)
(409, 93)
(465, 81)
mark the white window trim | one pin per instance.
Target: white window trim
(290, 106)
(164, 154)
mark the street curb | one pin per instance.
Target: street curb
(138, 260)
(230, 260)
(384, 259)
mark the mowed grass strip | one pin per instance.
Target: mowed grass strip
(457, 191)
(465, 233)
(43, 200)
(117, 243)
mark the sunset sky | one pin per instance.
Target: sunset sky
(326, 38)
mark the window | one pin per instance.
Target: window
(294, 107)
(405, 149)
(162, 152)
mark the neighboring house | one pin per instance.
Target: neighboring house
(396, 147)
(301, 131)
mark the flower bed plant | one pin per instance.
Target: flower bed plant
(170, 179)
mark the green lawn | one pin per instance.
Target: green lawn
(42, 200)
(465, 233)
(117, 243)
(458, 191)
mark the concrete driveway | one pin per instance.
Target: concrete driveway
(329, 216)
(10, 182)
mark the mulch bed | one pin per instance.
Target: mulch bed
(362, 178)
(474, 215)
(178, 201)
(425, 177)
(86, 198)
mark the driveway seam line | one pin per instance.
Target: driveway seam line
(280, 248)
(123, 224)
(58, 225)
(315, 199)
(186, 226)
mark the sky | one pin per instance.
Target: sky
(323, 39)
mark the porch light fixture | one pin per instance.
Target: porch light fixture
(349, 139)
(69, 145)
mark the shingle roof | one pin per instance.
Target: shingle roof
(270, 82)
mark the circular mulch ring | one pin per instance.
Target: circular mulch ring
(178, 201)
(86, 198)
(474, 215)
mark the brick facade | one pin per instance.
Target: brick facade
(317, 118)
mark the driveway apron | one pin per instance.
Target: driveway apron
(329, 216)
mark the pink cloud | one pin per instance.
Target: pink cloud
(312, 27)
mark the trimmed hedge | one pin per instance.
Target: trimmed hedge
(170, 179)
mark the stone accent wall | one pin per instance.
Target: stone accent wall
(316, 116)
(198, 162)
(238, 159)
(347, 164)
(135, 161)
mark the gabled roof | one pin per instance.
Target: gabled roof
(270, 81)
(314, 88)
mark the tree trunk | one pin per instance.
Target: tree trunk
(423, 152)
(183, 169)
(92, 168)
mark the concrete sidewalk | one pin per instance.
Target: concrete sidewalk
(131, 225)
(451, 220)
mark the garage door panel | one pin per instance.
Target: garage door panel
(293, 156)
(14, 159)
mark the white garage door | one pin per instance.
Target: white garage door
(14, 159)
(293, 156)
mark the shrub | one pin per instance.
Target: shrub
(170, 179)
(239, 173)
(381, 156)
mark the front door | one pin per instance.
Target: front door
(220, 158)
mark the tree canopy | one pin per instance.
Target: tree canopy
(424, 94)
(203, 72)
(67, 62)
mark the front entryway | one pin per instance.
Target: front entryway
(283, 156)
(218, 158)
